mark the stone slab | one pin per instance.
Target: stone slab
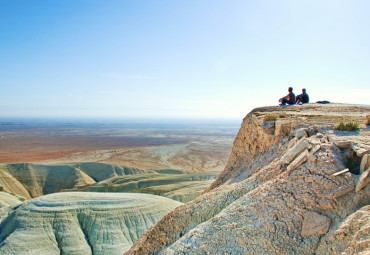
(365, 163)
(363, 180)
(315, 224)
(293, 152)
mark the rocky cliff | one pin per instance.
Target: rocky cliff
(80, 223)
(283, 190)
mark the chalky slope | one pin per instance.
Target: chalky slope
(81, 223)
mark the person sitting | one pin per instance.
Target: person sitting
(302, 98)
(288, 99)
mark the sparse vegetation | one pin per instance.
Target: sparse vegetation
(274, 116)
(347, 126)
(283, 115)
(270, 116)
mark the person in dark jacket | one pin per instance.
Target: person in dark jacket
(288, 99)
(303, 98)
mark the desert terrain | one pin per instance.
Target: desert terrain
(194, 147)
(292, 184)
(174, 159)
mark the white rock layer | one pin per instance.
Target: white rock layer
(81, 223)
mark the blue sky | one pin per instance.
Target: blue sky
(172, 58)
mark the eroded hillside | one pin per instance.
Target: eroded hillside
(281, 192)
(81, 223)
(30, 180)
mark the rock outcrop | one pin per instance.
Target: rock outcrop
(280, 192)
(81, 223)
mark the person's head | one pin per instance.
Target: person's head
(290, 89)
(304, 90)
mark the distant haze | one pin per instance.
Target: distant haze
(178, 59)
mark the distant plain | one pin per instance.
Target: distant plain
(187, 145)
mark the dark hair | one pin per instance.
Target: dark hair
(304, 90)
(290, 89)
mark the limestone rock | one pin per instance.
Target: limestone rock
(363, 180)
(365, 163)
(81, 223)
(358, 143)
(293, 152)
(299, 133)
(344, 144)
(361, 149)
(282, 127)
(315, 149)
(269, 126)
(315, 224)
(313, 129)
(298, 160)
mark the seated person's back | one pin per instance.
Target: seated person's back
(303, 98)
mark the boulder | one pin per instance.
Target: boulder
(315, 224)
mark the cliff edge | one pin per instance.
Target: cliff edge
(292, 185)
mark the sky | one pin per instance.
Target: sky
(178, 58)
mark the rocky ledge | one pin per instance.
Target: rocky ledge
(81, 223)
(292, 185)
